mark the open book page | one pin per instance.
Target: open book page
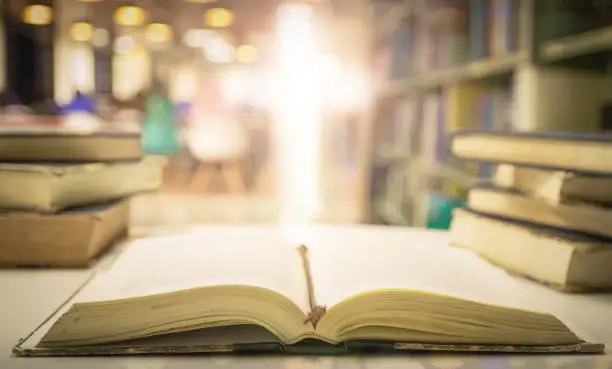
(347, 263)
(215, 256)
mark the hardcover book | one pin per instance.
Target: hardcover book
(555, 186)
(58, 145)
(49, 188)
(513, 204)
(574, 152)
(68, 239)
(225, 290)
(567, 260)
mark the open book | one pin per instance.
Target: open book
(333, 293)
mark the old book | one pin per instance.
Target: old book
(513, 204)
(578, 152)
(202, 292)
(69, 239)
(48, 188)
(555, 186)
(570, 261)
(68, 146)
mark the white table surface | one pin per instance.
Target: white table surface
(30, 295)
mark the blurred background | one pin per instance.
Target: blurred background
(256, 106)
(293, 110)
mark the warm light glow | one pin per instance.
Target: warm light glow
(82, 68)
(124, 44)
(344, 87)
(81, 31)
(234, 87)
(218, 50)
(129, 16)
(247, 53)
(183, 83)
(298, 116)
(131, 72)
(158, 32)
(198, 37)
(218, 18)
(202, 1)
(38, 15)
(100, 38)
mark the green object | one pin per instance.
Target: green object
(441, 210)
(160, 131)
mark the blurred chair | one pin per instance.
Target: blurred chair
(217, 140)
(219, 146)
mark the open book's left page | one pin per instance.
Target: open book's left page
(215, 256)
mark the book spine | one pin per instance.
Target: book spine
(478, 29)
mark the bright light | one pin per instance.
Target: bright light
(184, 84)
(263, 90)
(81, 31)
(124, 44)
(129, 16)
(38, 15)
(330, 66)
(158, 32)
(218, 50)
(82, 68)
(131, 72)
(234, 87)
(218, 18)
(298, 115)
(100, 37)
(198, 37)
(246, 54)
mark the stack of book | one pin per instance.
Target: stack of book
(546, 215)
(63, 195)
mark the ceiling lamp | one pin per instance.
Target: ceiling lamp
(218, 18)
(158, 32)
(81, 31)
(38, 15)
(246, 53)
(129, 16)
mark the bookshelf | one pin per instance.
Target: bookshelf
(541, 65)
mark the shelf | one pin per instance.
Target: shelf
(391, 20)
(474, 71)
(577, 45)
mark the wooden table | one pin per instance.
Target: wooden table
(30, 295)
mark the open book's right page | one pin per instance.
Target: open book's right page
(350, 262)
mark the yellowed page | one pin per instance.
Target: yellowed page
(366, 259)
(210, 257)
